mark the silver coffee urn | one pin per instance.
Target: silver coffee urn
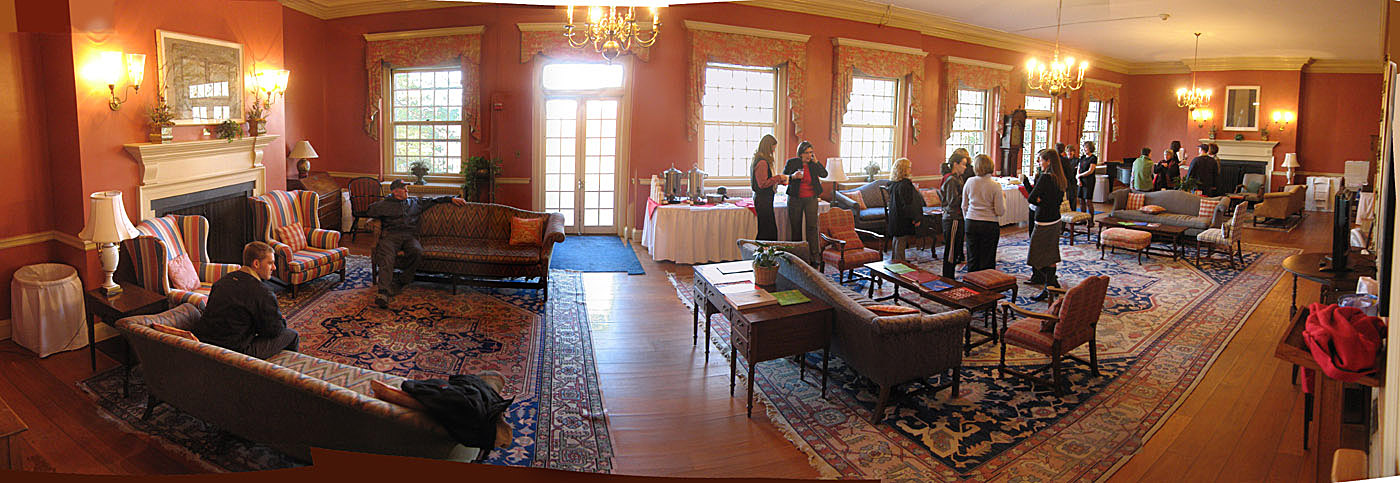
(671, 185)
(695, 179)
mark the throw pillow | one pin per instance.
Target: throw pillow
(182, 274)
(855, 196)
(886, 310)
(1153, 209)
(1208, 207)
(292, 235)
(930, 197)
(526, 231)
(165, 329)
(1135, 201)
(394, 395)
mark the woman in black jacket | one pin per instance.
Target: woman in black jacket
(1046, 195)
(1166, 171)
(906, 208)
(764, 184)
(804, 187)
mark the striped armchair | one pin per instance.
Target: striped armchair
(323, 254)
(165, 238)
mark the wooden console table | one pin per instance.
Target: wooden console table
(328, 193)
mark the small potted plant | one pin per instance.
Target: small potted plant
(162, 121)
(257, 116)
(871, 170)
(478, 170)
(228, 130)
(419, 170)
(765, 264)
(1212, 131)
(1264, 132)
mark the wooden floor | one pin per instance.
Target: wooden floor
(670, 412)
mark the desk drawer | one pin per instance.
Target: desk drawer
(739, 325)
(741, 345)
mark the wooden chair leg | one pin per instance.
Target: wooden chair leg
(879, 412)
(957, 378)
(1094, 357)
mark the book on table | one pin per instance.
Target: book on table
(936, 285)
(918, 276)
(898, 268)
(751, 299)
(791, 297)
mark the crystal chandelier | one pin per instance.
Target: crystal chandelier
(1055, 78)
(611, 30)
(1195, 97)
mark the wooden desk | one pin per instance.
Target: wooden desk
(1312, 266)
(133, 300)
(1327, 427)
(10, 428)
(328, 197)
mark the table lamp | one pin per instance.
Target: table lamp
(108, 225)
(303, 152)
(1290, 161)
(835, 172)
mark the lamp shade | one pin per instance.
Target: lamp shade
(302, 150)
(1290, 160)
(835, 170)
(107, 222)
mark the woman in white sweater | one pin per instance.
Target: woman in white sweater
(982, 206)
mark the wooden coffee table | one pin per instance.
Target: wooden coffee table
(1161, 233)
(985, 302)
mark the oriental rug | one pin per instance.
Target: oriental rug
(541, 346)
(1163, 325)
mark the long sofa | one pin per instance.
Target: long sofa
(290, 401)
(471, 244)
(1182, 209)
(889, 350)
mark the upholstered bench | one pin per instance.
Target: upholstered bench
(991, 280)
(1125, 238)
(1076, 222)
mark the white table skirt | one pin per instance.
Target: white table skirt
(1018, 210)
(705, 234)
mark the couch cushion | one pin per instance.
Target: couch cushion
(525, 231)
(312, 258)
(349, 377)
(1135, 201)
(479, 251)
(855, 196)
(1174, 219)
(1026, 332)
(174, 331)
(1207, 207)
(854, 258)
(887, 309)
(1153, 210)
(293, 235)
(871, 214)
(182, 273)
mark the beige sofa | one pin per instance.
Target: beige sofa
(1182, 209)
(1282, 204)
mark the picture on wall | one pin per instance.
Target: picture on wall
(1242, 108)
(202, 77)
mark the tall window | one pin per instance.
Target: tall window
(1093, 125)
(969, 123)
(739, 107)
(425, 116)
(869, 127)
(1040, 120)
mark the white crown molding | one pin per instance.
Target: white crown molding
(1102, 82)
(866, 44)
(752, 32)
(979, 63)
(418, 34)
(1246, 63)
(1157, 68)
(332, 10)
(1344, 66)
(541, 26)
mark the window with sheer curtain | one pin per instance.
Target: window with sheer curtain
(1093, 125)
(869, 129)
(740, 105)
(969, 123)
(425, 116)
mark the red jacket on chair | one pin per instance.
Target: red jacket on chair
(1344, 341)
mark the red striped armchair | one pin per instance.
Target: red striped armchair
(323, 254)
(166, 238)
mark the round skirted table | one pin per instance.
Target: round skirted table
(683, 233)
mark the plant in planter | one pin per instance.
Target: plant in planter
(257, 116)
(229, 130)
(765, 264)
(162, 121)
(1264, 132)
(476, 171)
(1189, 185)
(871, 170)
(419, 170)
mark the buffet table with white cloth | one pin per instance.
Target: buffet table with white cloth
(703, 234)
(1018, 210)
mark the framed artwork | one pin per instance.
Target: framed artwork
(202, 77)
(1241, 108)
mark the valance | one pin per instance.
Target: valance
(1108, 95)
(739, 49)
(995, 80)
(878, 60)
(464, 50)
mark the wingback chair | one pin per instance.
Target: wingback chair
(323, 254)
(1282, 204)
(166, 238)
(364, 191)
(840, 243)
(1069, 324)
(1252, 187)
(1227, 236)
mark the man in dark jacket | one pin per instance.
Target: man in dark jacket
(242, 314)
(398, 231)
(1203, 169)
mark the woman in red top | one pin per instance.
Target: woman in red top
(805, 174)
(764, 184)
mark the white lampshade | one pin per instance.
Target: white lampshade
(302, 150)
(1290, 160)
(107, 222)
(835, 170)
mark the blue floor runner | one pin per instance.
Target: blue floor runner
(599, 253)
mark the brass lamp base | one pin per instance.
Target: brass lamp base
(110, 292)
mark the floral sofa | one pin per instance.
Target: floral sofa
(166, 238)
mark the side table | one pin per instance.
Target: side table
(778, 331)
(133, 300)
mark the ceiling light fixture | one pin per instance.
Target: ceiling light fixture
(1194, 97)
(612, 30)
(1055, 78)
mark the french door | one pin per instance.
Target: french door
(580, 161)
(1037, 138)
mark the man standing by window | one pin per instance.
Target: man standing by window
(398, 231)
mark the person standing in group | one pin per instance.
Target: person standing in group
(1167, 171)
(1202, 169)
(1178, 153)
(951, 192)
(967, 170)
(982, 206)
(1088, 165)
(1044, 250)
(1142, 171)
(805, 185)
(906, 208)
(1068, 163)
(764, 184)
(1215, 160)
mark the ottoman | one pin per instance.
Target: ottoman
(1125, 238)
(991, 280)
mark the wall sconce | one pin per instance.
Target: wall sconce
(112, 70)
(1282, 118)
(270, 84)
(1200, 116)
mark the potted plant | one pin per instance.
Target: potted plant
(1212, 131)
(1188, 185)
(162, 121)
(419, 170)
(257, 116)
(1264, 132)
(478, 170)
(765, 264)
(871, 170)
(229, 130)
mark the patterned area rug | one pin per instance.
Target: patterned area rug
(1164, 323)
(542, 347)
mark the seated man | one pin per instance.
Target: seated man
(242, 313)
(398, 231)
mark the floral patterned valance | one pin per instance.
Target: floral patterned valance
(880, 63)
(1108, 95)
(968, 76)
(423, 52)
(551, 43)
(731, 48)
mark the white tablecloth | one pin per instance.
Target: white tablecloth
(705, 234)
(1018, 210)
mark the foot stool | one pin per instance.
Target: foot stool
(1125, 238)
(992, 280)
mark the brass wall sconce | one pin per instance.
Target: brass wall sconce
(1282, 118)
(112, 70)
(1200, 116)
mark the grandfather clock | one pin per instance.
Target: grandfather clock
(1013, 130)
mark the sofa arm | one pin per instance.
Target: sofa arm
(148, 256)
(840, 200)
(953, 320)
(554, 229)
(320, 238)
(212, 272)
(1119, 198)
(373, 226)
(182, 317)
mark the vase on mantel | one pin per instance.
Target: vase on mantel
(257, 126)
(162, 134)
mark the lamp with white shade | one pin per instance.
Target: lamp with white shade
(835, 172)
(1290, 161)
(108, 225)
(303, 152)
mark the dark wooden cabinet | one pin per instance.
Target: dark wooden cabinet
(328, 209)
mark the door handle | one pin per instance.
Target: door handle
(580, 184)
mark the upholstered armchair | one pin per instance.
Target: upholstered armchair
(869, 210)
(1252, 187)
(1226, 236)
(167, 238)
(322, 255)
(1282, 204)
(1070, 323)
(840, 243)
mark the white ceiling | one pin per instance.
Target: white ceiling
(1321, 29)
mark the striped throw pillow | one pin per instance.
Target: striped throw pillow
(1208, 208)
(886, 310)
(292, 235)
(1136, 200)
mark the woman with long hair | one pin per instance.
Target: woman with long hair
(982, 207)
(805, 174)
(906, 208)
(1166, 171)
(764, 183)
(1044, 250)
(951, 192)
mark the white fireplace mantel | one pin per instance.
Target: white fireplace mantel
(1257, 151)
(173, 169)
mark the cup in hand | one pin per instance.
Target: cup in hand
(797, 175)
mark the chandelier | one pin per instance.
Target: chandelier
(611, 30)
(1195, 97)
(1055, 78)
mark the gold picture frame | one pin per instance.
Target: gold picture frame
(202, 78)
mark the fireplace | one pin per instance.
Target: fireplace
(228, 212)
(1232, 173)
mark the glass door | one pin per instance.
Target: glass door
(580, 153)
(1037, 138)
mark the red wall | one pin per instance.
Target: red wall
(28, 205)
(304, 39)
(1338, 117)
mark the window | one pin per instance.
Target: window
(425, 120)
(1093, 125)
(969, 123)
(739, 107)
(869, 127)
(1040, 121)
(582, 77)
